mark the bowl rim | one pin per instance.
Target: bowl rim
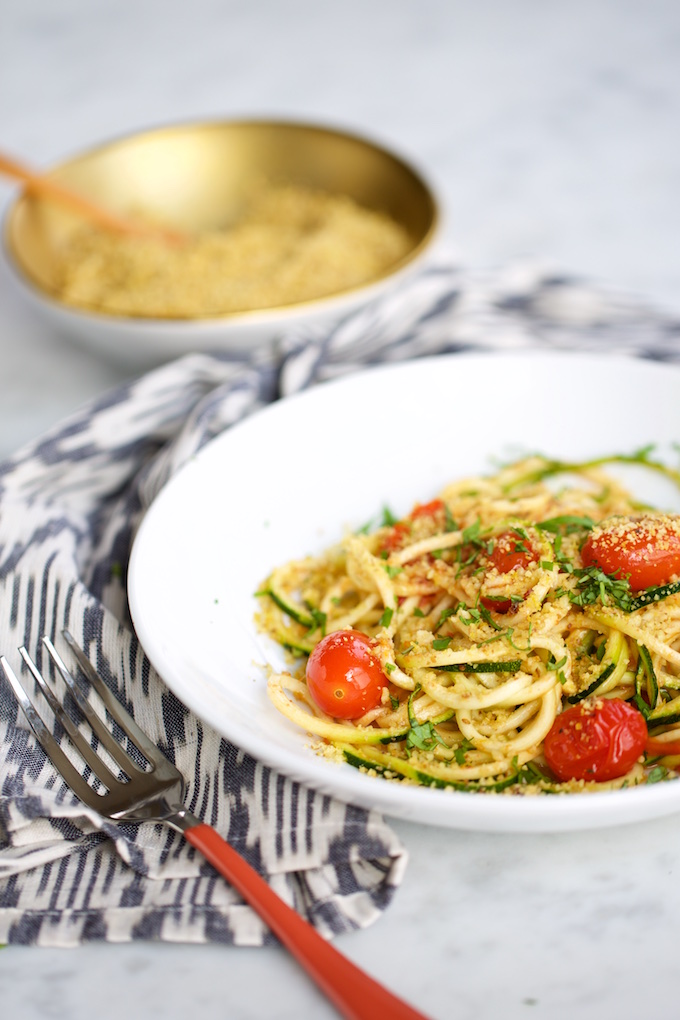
(323, 303)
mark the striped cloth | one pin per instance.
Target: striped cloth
(70, 505)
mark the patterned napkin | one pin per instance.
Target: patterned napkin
(70, 505)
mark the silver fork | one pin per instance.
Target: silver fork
(156, 795)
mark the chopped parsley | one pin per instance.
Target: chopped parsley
(460, 752)
(386, 519)
(421, 735)
(488, 618)
(593, 585)
(530, 774)
(443, 617)
(566, 524)
(386, 618)
(449, 523)
(318, 620)
(472, 546)
(555, 666)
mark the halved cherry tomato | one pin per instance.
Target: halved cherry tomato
(510, 552)
(598, 739)
(399, 532)
(645, 548)
(343, 676)
(427, 509)
(396, 536)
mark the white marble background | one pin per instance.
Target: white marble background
(551, 131)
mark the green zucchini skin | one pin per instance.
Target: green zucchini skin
(646, 598)
(295, 644)
(509, 666)
(300, 647)
(592, 688)
(665, 714)
(286, 607)
(394, 767)
(645, 683)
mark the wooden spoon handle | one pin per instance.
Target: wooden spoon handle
(50, 189)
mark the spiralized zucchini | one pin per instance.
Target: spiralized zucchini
(479, 661)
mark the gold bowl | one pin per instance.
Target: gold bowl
(194, 178)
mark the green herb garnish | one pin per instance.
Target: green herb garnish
(386, 618)
(566, 524)
(421, 735)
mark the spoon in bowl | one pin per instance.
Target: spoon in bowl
(50, 189)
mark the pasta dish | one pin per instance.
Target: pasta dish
(520, 633)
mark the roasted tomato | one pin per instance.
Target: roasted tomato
(399, 533)
(598, 739)
(644, 548)
(427, 509)
(510, 552)
(343, 675)
(396, 537)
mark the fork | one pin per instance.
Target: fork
(156, 796)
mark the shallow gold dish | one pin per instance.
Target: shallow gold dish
(194, 177)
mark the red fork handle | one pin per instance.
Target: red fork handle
(356, 995)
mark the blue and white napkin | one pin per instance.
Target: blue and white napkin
(70, 505)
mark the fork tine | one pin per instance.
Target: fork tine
(51, 748)
(117, 752)
(150, 797)
(113, 706)
(87, 753)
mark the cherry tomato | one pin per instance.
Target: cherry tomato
(510, 552)
(399, 532)
(396, 536)
(427, 509)
(343, 676)
(599, 739)
(644, 548)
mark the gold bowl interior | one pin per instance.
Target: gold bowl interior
(197, 177)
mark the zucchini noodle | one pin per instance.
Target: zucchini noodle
(480, 654)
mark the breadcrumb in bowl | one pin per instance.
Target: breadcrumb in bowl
(288, 245)
(286, 224)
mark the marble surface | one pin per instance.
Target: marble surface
(550, 131)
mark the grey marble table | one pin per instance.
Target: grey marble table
(551, 132)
